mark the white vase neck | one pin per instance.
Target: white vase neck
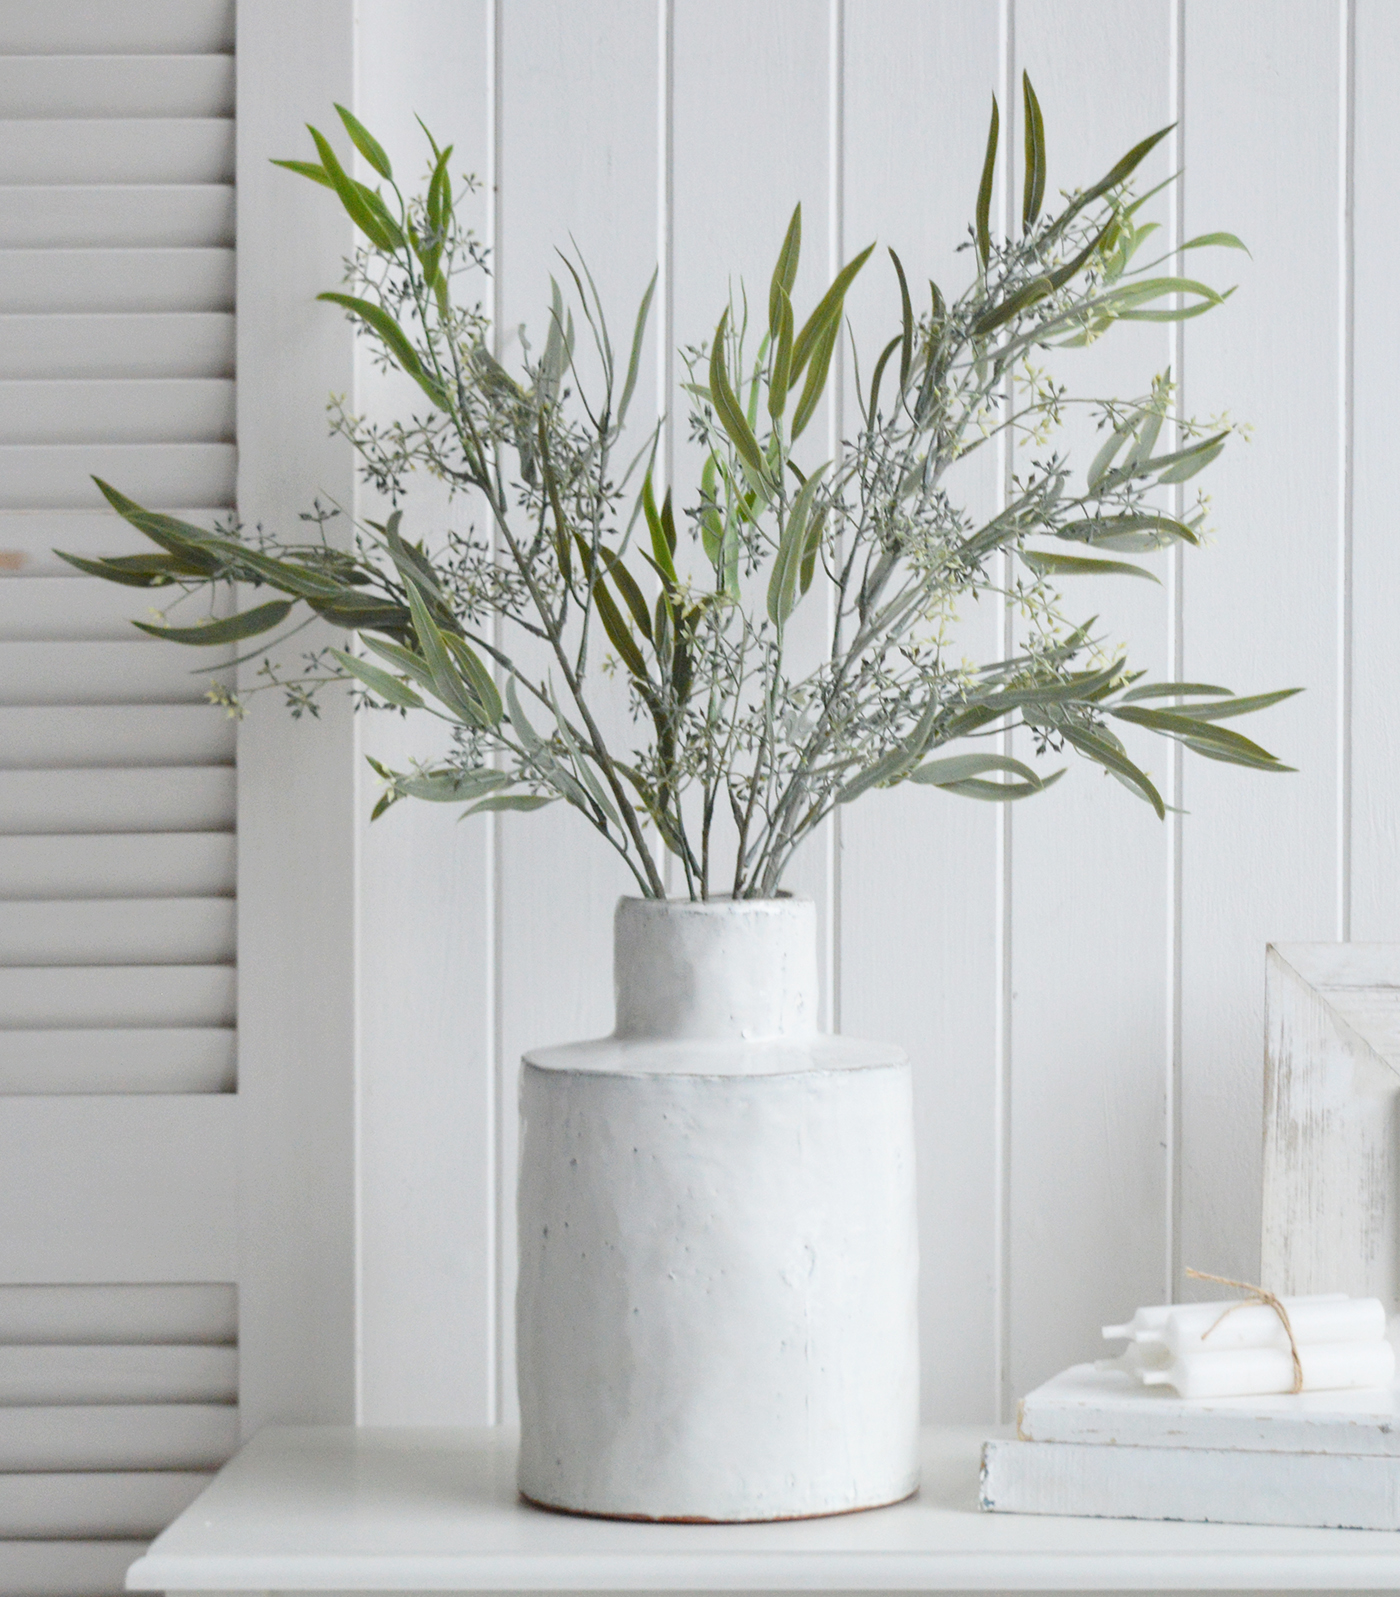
(723, 969)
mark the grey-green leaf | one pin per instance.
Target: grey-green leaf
(1053, 565)
(230, 629)
(984, 190)
(389, 688)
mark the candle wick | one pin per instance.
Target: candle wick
(1257, 1294)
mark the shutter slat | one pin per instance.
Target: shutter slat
(186, 1436)
(130, 150)
(112, 995)
(140, 1188)
(205, 1313)
(173, 1059)
(110, 1504)
(58, 476)
(117, 931)
(119, 1119)
(108, 673)
(192, 344)
(167, 799)
(46, 281)
(72, 736)
(76, 1373)
(69, 86)
(144, 411)
(66, 1569)
(76, 610)
(120, 865)
(116, 27)
(29, 537)
(116, 216)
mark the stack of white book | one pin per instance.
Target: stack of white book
(1097, 1442)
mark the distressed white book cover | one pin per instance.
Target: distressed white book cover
(1090, 1405)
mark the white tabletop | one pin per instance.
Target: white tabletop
(340, 1509)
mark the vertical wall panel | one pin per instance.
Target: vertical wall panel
(426, 1137)
(918, 867)
(297, 779)
(578, 128)
(1261, 605)
(1089, 921)
(753, 101)
(1374, 735)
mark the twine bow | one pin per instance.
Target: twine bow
(1257, 1294)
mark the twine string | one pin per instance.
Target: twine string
(1257, 1294)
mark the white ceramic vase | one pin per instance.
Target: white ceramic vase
(716, 1310)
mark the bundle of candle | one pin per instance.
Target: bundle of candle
(1248, 1348)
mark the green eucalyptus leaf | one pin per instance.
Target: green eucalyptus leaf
(906, 336)
(959, 767)
(785, 270)
(1183, 464)
(1137, 531)
(352, 197)
(395, 340)
(365, 142)
(826, 319)
(999, 792)
(818, 369)
(509, 801)
(406, 660)
(779, 383)
(984, 189)
(1174, 690)
(1109, 754)
(520, 723)
(1053, 565)
(663, 547)
(792, 547)
(136, 571)
(228, 629)
(877, 376)
(389, 688)
(447, 683)
(1216, 240)
(1034, 191)
(477, 678)
(634, 359)
(452, 787)
(317, 174)
(727, 408)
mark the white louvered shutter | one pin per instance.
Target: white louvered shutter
(118, 1303)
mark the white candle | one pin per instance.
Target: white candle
(1189, 1329)
(1261, 1371)
(1148, 1322)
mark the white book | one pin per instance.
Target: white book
(1218, 1485)
(1089, 1405)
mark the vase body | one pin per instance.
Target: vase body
(716, 1308)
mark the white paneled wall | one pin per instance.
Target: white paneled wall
(1079, 985)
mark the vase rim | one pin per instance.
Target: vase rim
(718, 901)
